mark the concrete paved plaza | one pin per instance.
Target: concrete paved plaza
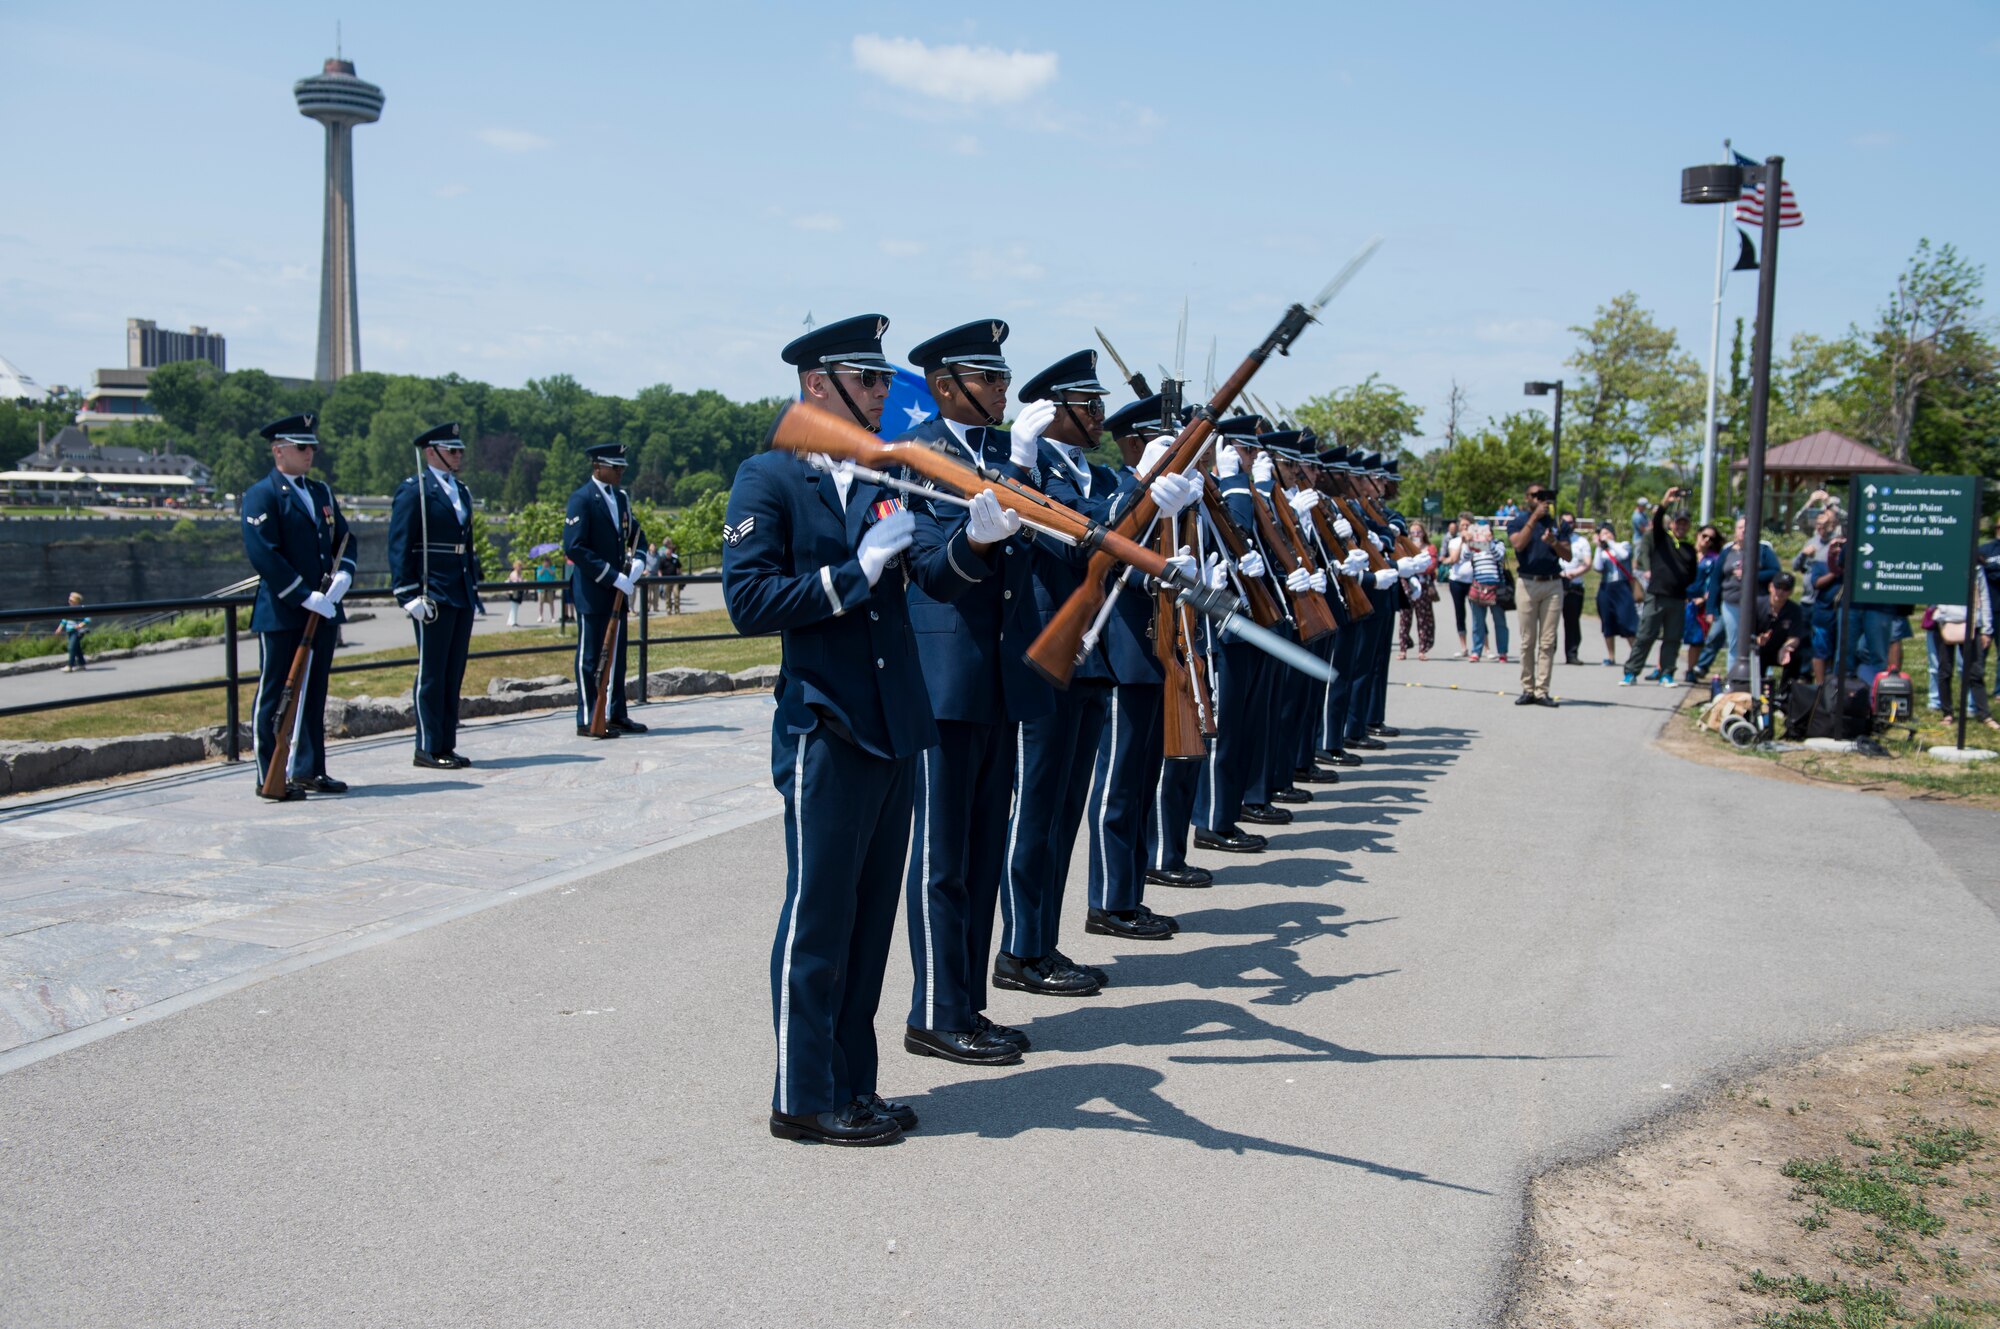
(1508, 939)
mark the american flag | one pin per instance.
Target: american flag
(1750, 208)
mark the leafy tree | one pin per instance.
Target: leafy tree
(482, 542)
(697, 530)
(1928, 343)
(1483, 468)
(693, 488)
(24, 424)
(563, 473)
(537, 524)
(1371, 414)
(1639, 393)
(524, 478)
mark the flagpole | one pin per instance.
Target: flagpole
(1714, 352)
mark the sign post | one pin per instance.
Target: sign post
(1913, 542)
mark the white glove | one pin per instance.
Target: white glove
(987, 523)
(1376, 540)
(1218, 573)
(420, 609)
(1261, 469)
(883, 541)
(1304, 502)
(624, 584)
(338, 587)
(1173, 493)
(1319, 582)
(1029, 426)
(1252, 564)
(322, 606)
(1342, 529)
(1155, 450)
(1355, 563)
(1414, 566)
(1184, 563)
(638, 568)
(1385, 579)
(1228, 461)
(1298, 579)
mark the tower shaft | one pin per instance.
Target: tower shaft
(339, 306)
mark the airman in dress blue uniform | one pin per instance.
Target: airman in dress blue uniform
(435, 572)
(823, 557)
(291, 527)
(981, 689)
(607, 552)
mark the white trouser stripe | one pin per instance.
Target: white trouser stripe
(794, 889)
(1160, 820)
(582, 697)
(1104, 801)
(930, 957)
(1215, 748)
(257, 704)
(1013, 834)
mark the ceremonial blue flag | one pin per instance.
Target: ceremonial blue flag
(910, 403)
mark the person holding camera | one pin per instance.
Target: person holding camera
(1540, 544)
(1781, 635)
(1664, 614)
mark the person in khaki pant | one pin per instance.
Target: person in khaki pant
(1540, 544)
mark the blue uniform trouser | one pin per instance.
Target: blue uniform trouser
(1344, 654)
(1268, 716)
(1361, 697)
(1240, 715)
(1378, 697)
(1312, 704)
(1173, 809)
(1053, 756)
(964, 791)
(1294, 691)
(441, 648)
(847, 827)
(308, 753)
(1129, 755)
(589, 658)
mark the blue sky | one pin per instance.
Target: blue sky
(659, 193)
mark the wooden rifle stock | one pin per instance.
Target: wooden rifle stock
(1376, 562)
(1288, 525)
(1197, 664)
(1265, 611)
(1404, 546)
(275, 772)
(1351, 592)
(1183, 720)
(1309, 608)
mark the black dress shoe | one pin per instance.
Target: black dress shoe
(967, 1047)
(1368, 744)
(294, 792)
(1291, 794)
(324, 784)
(1103, 979)
(1571, 660)
(1004, 1035)
(1263, 814)
(1192, 878)
(1130, 924)
(1315, 775)
(1385, 731)
(1230, 841)
(1338, 758)
(625, 726)
(434, 761)
(1525, 699)
(583, 731)
(460, 762)
(1041, 975)
(855, 1124)
(1544, 699)
(901, 1113)
(1172, 924)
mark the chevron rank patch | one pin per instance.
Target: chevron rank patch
(571, 521)
(735, 535)
(258, 520)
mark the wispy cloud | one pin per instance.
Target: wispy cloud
(967, 75)
(512, 140)
(452, 190)
(816, 221)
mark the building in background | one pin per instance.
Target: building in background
(340, 101)
(148, 346)
(17, 386)
(70, 468)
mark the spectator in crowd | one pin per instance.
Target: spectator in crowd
(1989, 560)
(1814, 552)
(1962, 636)
(1781, 635)
(1458, 558)
(517, 574)
(1818, 505)
(1724, 594)
(1826, 571)
(545, 595)
(1574, 569)
(72, 629)
(1642, 515)
(1538, 541)
(1663, 617)
(1698, 628)
(1617, 603)
(1420, 594)
(1488, 557)
(1508, 511)
(670, 566)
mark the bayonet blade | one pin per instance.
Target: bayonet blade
(1344, 276)
(1210, 381)
(1180, 344)
(1132, 380)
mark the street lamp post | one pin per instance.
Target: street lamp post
(1556, 430)
(1725, 184)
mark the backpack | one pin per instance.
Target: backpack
(1827, 713)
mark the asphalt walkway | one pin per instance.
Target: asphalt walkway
(1505, 941)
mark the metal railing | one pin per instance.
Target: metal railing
(233, 630)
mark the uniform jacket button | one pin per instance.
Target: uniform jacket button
(879, 664)
(874, 617)
(1006, 595)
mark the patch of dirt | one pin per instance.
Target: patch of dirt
(1697, 1223)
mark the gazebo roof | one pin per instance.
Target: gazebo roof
(1828, 453)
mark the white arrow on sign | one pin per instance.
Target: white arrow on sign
(1868, 549)
(1869, 490)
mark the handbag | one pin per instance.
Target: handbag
(1638, 587)
(1505, 596)
(1483, 593)
(1951, 634)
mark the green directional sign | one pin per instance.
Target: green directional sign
(1912, 538)
(1433, 503)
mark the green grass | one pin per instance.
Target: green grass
(196, 710)
(112, 638)
(1869, 1191)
